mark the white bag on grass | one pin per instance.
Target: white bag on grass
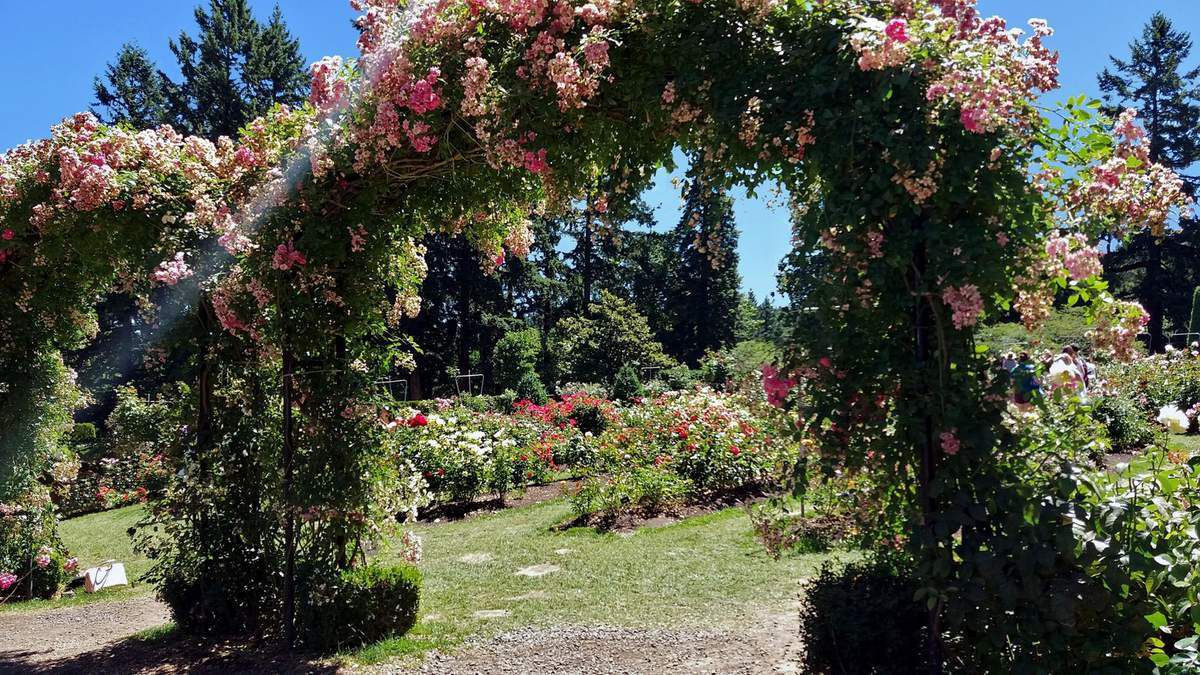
(108, 573)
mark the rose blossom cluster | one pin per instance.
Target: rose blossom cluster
(776, 386)
(991, 93)
(287, 256)
(965, 303)
(330, 86)
(881, 45)
(1128, 189)
(171, 272)
(1116, 328)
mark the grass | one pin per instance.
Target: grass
(93, 539)
(706, 570)
(1189, 443)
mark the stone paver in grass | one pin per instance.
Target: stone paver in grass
(475, 558)
(564, 551)
(491, 614)
(538, 570)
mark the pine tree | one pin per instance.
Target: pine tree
(1156, 82)
(705, 295)
(235, 69)
(133, 91)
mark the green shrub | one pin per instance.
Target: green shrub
(647, 489)
(515, 355)
(83, 432)
(530, 388)
(679, 377)
(626, 386)
(862, 618)
(1129, 427)
(362, 605)
(504, 401)
(586, 347)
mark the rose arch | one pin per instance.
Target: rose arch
(926, 184)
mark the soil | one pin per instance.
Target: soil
(52, 641)
(534, 494)
(768, 645)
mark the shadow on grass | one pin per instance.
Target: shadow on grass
(167, 650)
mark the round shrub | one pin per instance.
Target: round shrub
(361, 605)
(530, 388)
(1128, 426)
(626, 386)
(862, 618)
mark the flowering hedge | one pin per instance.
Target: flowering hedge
(458, 454)
(685, 447)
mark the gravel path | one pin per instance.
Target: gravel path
(52, 634)
(767, 646)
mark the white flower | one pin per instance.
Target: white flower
(1174, 419)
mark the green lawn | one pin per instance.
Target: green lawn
(707, 570)
(93, 539)
(1189, 443)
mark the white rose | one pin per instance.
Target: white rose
(1174, 419)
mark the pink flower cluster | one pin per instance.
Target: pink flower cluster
(966, 304)
(7, 579)
(1080, 259)
(171, 272)
(1129, 190)
(330, 86)
(993, 92)
(776, 386)
(881, 45)
(286, 256)
(950, 442)
(1116, 328)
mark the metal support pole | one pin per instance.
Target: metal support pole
(289, 526)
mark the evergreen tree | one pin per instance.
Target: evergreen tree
(133, 91)
(704, 295)
(1159, 272)
(235, 69)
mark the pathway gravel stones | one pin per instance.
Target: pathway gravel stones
(769, 646)
(538, 570)
(45, 635)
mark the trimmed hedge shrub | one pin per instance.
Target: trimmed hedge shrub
(363, 605)
(862, 619)
(1128, 426)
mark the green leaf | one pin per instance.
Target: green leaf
(1158, 620)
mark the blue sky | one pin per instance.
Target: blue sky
(53, 51)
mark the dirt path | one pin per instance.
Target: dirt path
(52, 634)
(769, 645)
(87, 639)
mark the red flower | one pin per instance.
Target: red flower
(418, 420)
(735, 450)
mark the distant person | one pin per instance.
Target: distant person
(1009, 362)
(1065, 371)
(1025, 381)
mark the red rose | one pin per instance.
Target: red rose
(418, 420)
